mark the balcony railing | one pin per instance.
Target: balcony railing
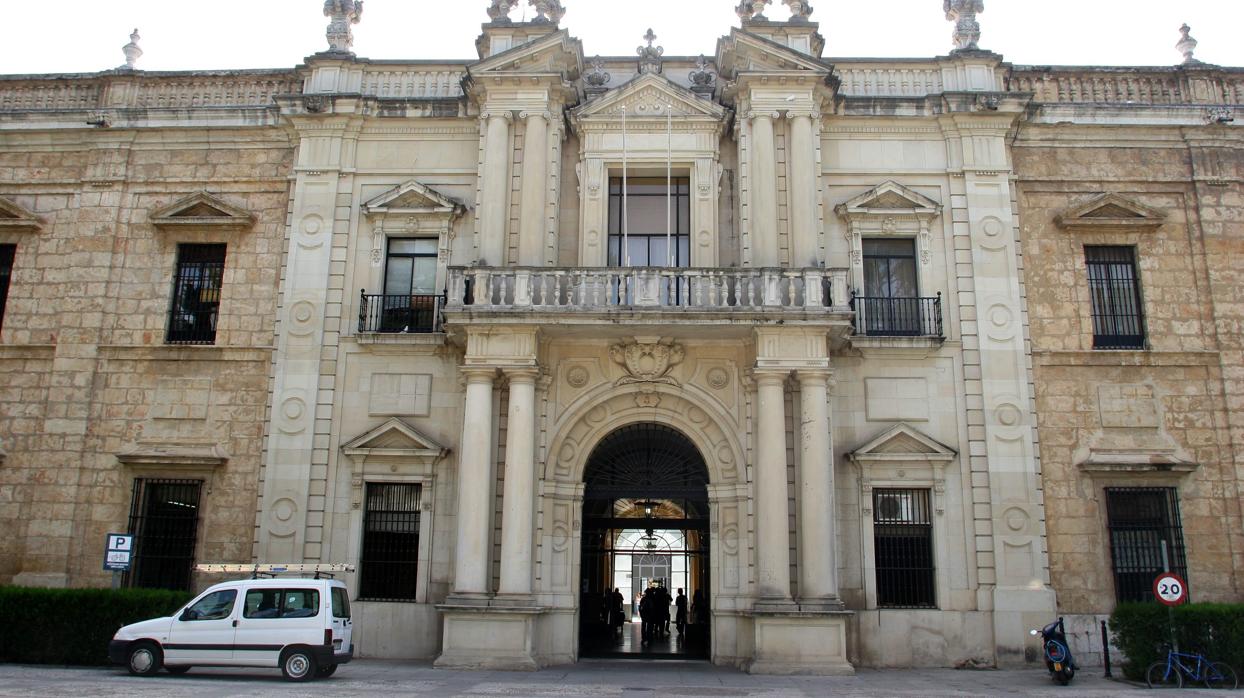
(596, 288)
(404, 314)
(897, 317)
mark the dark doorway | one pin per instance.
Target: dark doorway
(645, 536)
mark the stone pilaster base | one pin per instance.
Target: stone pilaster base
(800, 642)
(488, 637)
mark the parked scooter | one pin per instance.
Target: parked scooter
(1058, 658)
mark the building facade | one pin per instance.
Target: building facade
(838, 346)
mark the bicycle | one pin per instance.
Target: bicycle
(1170, 673)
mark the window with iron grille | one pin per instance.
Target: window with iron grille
(6, 270)
(390, 557)
(1143, 521)
(164, 520)
(1114, 291)
(196, 294)
(903, 548)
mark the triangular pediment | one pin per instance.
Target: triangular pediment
(639, 97)
(1110, 210)
(414, 198)
(14, 216)
(202, 210)
(889, 199)
(743, 51)
(395, 438)
(903, 442)
(554, 53)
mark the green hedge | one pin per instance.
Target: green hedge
(73, 626)
(1142, 629)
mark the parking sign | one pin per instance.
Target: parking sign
(118, 552)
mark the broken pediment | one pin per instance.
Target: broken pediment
(902, 443)
(648, 97)
(202, 210)
(745, 51)
(14, 216)
(556, 52)
(889, 199)
(1111, 211)
(395, 439)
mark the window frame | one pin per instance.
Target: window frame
(920, 500)
(139, 522)
(390, 255)
(681, 210)
(418, 563)
(1106, 285)
(1172, 524)
(187, 271)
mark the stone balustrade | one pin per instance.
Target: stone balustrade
(889, 80)
(1148, 86)
(600, 289)
(411, 83)
(145, 90)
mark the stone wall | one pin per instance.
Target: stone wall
(1172, 400)
(85, 373)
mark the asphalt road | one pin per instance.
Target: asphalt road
(614, 679)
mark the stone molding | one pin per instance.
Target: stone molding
(202, 211)
(17, 218)
(1110, 211)
(174, 457)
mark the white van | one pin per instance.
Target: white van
(301, 625)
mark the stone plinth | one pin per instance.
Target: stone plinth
(800, 642)
(488, 637)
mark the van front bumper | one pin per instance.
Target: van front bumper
(117, 651)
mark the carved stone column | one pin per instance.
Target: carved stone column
(772, 513)
(475, 476)
(804, 243)
(494, 189)
(518, 513)
(818, 566)
(763, 186)
(532, 228)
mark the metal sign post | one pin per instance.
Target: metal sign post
(118, 555)
(1170, 589)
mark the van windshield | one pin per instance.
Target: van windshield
(341, 603)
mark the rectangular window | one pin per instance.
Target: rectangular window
(1143, 521)
(196, 294)
(1114, 291)
(903, 548)
(281, 603)
(891, 303)
(409, 302)
(390, 556)
(164, 519)
(653, 208)
(7, 253)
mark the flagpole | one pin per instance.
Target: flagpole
(669, 183)
(624, 258)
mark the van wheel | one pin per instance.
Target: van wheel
(326, 671)
(177, 669)
(298, 665)
(144, 659)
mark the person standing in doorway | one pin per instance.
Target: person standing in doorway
(680, 616)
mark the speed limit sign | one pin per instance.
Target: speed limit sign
(1170, 589)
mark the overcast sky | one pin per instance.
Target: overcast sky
(43, 36)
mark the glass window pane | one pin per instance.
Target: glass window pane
(903, 278)
(398, 276)
(638, 251)
(425, 275)
(420, 246)
(889, 247)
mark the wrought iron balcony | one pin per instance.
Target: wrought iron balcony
(897, 317)
(409, 314)
(592, 289)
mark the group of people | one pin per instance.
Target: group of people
(654, 610)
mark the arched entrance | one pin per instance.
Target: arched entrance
(645, 536)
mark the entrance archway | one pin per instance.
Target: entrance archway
(645, 537)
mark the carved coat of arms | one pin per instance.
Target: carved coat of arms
(647, 361)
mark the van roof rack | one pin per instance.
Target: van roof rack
(273, 569)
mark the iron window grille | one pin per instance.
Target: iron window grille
(7, 253)
(903, 548)
(164, 520)
(1140, 521)
(1114, 292)
(390, 558)
(196, 294)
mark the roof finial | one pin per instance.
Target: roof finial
(650, 56)
(499, 11)
(132, 51)
(753, 10)
(344, 14)
(1187, 45)
(800, 10)
(547, 11)
(963, 14)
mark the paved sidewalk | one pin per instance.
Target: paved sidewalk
(630, 679)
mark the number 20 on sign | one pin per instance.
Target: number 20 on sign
(1170, 589)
